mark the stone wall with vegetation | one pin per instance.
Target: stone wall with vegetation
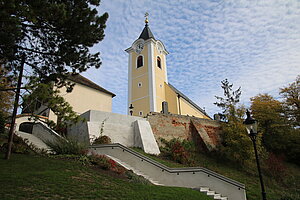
(205, 132)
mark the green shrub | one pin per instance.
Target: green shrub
(293, 147)
(67, 146)
(106, 163)
(19, 145)
(101, 161)
(286, 198)
(178, 151)
(102, 140)
(274, 167)
(136, 178)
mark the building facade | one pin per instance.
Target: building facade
(86, 95)
(148, 86)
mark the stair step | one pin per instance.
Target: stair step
(221, 198)
(204, 189)
(211, 193)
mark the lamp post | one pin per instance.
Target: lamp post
(251, 127)
(131, 109)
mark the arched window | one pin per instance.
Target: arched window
(158, 62)
(139, 62)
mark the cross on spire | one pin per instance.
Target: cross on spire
(146, 16)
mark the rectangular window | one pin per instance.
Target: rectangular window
(141, 113)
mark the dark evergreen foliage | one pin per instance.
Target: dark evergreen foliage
(55, 36)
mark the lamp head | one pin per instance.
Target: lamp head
(251, 124)
(131, 106)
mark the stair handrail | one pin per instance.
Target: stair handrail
(171, 170)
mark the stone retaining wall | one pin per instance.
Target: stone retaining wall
(205, 132)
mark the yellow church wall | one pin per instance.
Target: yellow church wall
(187, 109)
(83, 98)
(171, 98)
(141, 105)
(160, 94)
(139, 92)
(141, 70)
(160, 72)
(159, 80)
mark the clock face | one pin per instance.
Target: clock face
(139, 47)
(159, 48)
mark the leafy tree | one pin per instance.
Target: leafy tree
(55, 36)
(6, 81)
(291, 95)
(236, 145)
(272, 122)
(278, 135)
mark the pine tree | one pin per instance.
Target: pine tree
(55, 36)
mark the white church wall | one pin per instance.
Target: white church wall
(120, 128)
(144, 138)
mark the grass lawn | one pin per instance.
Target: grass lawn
(288, 186)
(36, 177)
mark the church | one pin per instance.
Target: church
(148, 86)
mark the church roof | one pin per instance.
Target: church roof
(146, 33)
(86, 82)
(188, 100)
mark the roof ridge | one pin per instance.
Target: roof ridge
(77, 78)
(188, 99)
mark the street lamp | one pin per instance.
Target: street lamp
(251, 127)
(131, 109)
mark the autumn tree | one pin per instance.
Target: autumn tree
(291, 96)
(236, 145)
(272, 122)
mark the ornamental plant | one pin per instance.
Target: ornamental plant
(175, 150)
(102, 140)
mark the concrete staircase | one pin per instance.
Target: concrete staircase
(205, 190)
(200, 179)
(211, 193)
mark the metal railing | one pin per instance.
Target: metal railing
(171, 170)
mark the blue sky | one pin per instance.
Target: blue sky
(254, 44)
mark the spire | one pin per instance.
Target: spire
(146, 33)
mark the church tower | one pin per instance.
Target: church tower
(147, 73)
